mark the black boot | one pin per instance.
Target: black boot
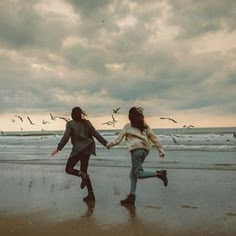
(90, 197)
(83, 184)
(162, 174)
(130, 200)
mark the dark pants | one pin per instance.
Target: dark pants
(84, 161)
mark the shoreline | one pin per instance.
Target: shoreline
(225, 129)
(207, 167)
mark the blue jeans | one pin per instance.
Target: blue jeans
(137, 157)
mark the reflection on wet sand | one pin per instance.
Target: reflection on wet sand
(90, 209)
(131, 210)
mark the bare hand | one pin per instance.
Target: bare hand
(54, 152)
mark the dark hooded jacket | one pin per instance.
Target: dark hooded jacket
(81, 134)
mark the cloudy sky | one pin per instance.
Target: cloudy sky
(174, 58)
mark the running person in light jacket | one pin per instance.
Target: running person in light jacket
(138, 136)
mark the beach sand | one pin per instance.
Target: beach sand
(44, 200)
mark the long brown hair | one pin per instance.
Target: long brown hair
(77, 114)
(136, 118)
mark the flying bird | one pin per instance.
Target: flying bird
(190, 126)
(30, 121)
(19, 117)
(63, 118)
(163, 118)
(52, 117)
(109, 123)
(116, 111)
(45, 122)
(174, 139)
(114, 119)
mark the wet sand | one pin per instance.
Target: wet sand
(43, 200)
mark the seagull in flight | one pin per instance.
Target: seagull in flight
(190, 126)
(63, 118)
(116, 111)
(30, 121)
(52, 117)
(113, 119)
(163, 118)
(19, 117)
(109, 123)
(174, 139)
(45, 122)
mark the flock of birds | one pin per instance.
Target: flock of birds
(114, 120)
(111, 122)
(185, 126)
(116, 111)
(43, 121)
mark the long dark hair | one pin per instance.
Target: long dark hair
(77, 114)
(136, 118)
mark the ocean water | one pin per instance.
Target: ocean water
(202, 148)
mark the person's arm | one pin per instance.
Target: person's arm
(96, 134)
(118, 139)
(155, 142)
(64, 140)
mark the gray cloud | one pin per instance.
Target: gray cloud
(199, 17)
(89, 7)
(107, 53)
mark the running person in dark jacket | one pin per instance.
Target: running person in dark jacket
(81, 133)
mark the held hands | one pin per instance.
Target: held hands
(107, 146)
